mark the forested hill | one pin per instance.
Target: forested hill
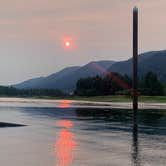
(154, 61)
(66, 79)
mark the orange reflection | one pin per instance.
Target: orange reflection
(64, 123)
(65, 144)
(64, 103)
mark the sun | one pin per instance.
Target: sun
(67, 44)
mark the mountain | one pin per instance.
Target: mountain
(43, 81)
(66, 79)
(154, 61)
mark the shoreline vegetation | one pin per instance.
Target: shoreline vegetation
(115, 98)
(111, 88)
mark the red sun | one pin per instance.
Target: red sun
(68, 43)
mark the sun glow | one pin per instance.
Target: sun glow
(64, 103)
(67, 43)
(65, 144)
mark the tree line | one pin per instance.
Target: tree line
(110, 84)
(114, 83)
(11, 92)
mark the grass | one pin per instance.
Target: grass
(118, 98)
(153, 99)
(102, 98)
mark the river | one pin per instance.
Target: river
(65, 136)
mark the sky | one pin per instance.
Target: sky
(32, 34)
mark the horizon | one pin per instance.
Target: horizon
(32, 34)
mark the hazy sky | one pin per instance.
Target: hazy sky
(32, 31)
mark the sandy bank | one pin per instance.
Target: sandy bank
(50, 103)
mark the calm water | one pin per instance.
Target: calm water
(82, 137)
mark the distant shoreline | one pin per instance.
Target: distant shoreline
(70, 103)
(113, 98)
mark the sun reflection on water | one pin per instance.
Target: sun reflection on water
(65, 144)
(64, 103)
(64, 123)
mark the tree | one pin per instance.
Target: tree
(106, 85)
(90, 86)
(11, 91)
(151, 86)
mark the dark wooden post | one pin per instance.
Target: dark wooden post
(135, 147)
(135, 63)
